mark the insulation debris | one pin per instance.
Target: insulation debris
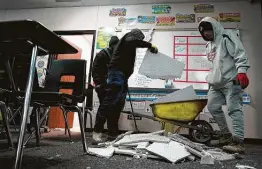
(185, 94)
(174, 148)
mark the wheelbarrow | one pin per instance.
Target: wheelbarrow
(182, 114)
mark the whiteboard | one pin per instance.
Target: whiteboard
(187, 46)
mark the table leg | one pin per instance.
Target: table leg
(3, 109)
(10, 75)
(29, 86)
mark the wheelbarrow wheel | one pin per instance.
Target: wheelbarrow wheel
(201, 135)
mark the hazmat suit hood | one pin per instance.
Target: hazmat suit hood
(225, 52)
(113, 41)
(205, 24)
(135, 34)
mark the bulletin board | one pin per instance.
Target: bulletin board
(184, 45)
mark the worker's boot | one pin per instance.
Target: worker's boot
(220, 138)
(225, 139)
(97, 138)
(236, 146)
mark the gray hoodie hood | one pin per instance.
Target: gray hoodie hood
(218, 29)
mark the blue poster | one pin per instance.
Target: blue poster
(161, 9)
(146, 19)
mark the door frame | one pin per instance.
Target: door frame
(83, 32)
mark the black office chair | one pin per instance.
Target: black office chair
(5, 100)
(88, 106)
(11, 104)
(68, 103)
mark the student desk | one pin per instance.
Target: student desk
(27, 37)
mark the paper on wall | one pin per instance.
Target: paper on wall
(161, 66)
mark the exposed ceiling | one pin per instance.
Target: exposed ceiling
(20, 4)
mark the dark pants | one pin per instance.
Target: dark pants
(112, 104)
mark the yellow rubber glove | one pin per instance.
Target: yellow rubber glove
(153, 49)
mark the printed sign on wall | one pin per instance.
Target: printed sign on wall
(146, 19)
(161, 9)
(204, 8)
(229, 17)
(165, 21)
(200, 18)
(127, 21)
(131, 117)
(41, 65)
(117, 12)
(185, 18)
(103, 37)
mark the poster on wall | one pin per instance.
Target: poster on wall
(41, 65)
(165, 21)
(229, 17)
(103, 37)
(185, 18)
(204, 8)
(161, 9)
(117, 12)
(201, 17)
(146, 19)
(123, 21)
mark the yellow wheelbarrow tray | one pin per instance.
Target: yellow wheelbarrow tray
(182, 114)
(182, 111)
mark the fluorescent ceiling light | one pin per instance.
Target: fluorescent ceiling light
(67, 0)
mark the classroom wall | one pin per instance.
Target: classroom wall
(90, 18)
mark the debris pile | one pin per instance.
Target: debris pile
(174, 148)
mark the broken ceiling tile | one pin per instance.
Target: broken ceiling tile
(184, 94)
(207, 159)
(244, 167)
(158, 132)
(151, 156)
(194, 151)
(142, 145)
(125, 152)
(126, 147)
(102, 152)
(134, 144)
(136, 138)
(187, 142)
(219, 155)
(191, 158)
(161, 66)
(171, 151)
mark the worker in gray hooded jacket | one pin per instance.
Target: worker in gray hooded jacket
(226, 79)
